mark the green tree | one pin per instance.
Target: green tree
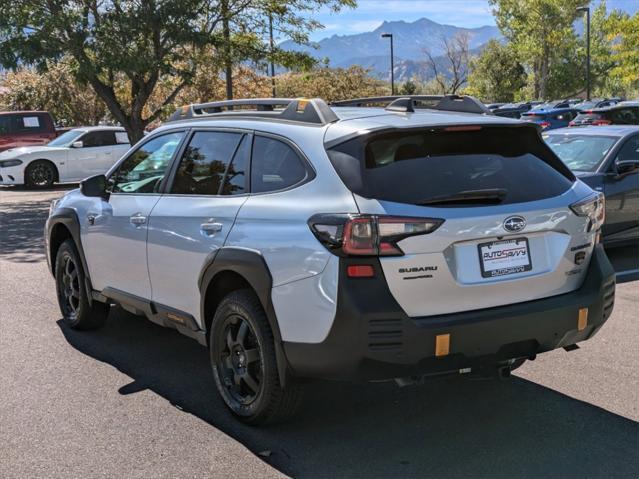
(139, 43)
(539, 31)
(622, 30)
(409, 87)
(496, 74)
(331, 84)
(55, 91)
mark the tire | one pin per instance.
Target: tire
(71, 291)
(40, 174)
(242, 353)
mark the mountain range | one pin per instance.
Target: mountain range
(410, 40)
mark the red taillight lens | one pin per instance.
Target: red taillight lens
(572, 123)
(368, 235)
(601, 122)
(544, 124)
(359, 237)
(360, 271)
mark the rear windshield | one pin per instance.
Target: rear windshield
(421, 165)
(588, 115)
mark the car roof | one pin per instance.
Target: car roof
(617, 106)
(350, 120)
(23, 112)
(608, 130)
(98, 128)
(549, 111)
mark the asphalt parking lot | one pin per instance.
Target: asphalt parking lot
(136, 400)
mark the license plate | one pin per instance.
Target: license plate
(499, 258)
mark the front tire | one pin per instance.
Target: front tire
(242, 353)
(40, 174)
(71, 291)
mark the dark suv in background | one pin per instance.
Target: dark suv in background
(624, 113)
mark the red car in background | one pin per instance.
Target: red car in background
(25, 128)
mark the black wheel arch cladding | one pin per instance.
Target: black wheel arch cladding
(250, 265)
(67, 218)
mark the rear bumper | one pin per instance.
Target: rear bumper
(372, 338)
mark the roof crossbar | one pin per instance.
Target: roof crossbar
(313, 111)
(409, 103)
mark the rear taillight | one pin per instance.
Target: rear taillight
(368, 235)
(594, 208)
(544, 124)
(601, 122)
(572, 123)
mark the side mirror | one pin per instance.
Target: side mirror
(95, 186)
(77, 144)
(626, 167)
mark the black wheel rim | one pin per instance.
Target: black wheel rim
(70, 287)
(41, 174)
(238, 359)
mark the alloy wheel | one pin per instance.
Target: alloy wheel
(239, 361)
(70, 286)
(41, 175)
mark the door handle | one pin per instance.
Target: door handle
(137, 219)
(211, 228)
(107, 152)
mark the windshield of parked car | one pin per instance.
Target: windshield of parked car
(65, 139)
(581, 152)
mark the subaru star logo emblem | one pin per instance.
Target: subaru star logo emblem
(514, 223)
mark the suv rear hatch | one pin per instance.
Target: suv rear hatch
(501, 228)
(590, 117)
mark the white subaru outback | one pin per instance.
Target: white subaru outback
(301, 240)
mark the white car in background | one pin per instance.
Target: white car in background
(71, 157)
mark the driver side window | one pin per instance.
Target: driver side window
(143, 170)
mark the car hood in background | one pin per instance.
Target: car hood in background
(28, 150)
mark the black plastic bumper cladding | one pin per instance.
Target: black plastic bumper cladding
(372, 338)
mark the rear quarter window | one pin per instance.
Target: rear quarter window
(275, 166)
(413, 167)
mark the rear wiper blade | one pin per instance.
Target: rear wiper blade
(490, 195)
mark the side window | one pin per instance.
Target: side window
(205, 162)
(121, 138)
(630, 150)
(143, 170)
(274, 166)
(98, 138)
(235, 179)
(29, 123)
(5, 124)
(625, 116)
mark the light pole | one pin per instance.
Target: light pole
(270, 35)
(392, 66)
(587, 10)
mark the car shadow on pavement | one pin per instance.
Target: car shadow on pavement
(21, 230)
(449, 427)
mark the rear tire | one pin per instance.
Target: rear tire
(40, 174)
(242, 353)
(71, 291)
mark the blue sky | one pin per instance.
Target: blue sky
(463, 13)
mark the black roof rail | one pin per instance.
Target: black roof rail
(409, 103)
(312, 110)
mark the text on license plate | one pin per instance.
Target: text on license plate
(498, 258)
